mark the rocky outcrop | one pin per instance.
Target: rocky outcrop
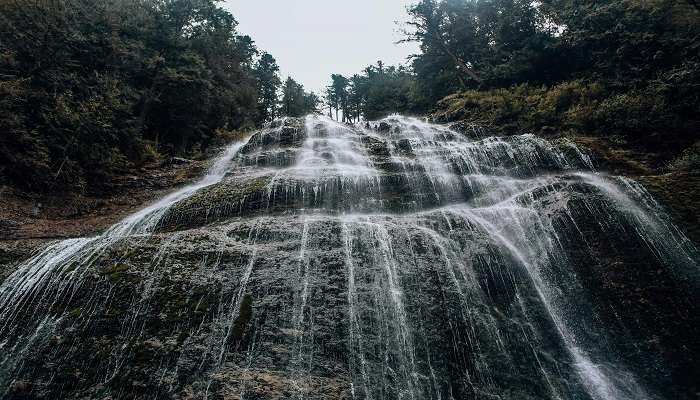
(32, 221)
(341, 262)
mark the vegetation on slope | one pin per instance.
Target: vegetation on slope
(648, 115)
(375, 93)
(91, 89)
(623, 76)
(628, 67)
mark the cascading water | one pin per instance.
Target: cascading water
(57, 272)
(399, 260)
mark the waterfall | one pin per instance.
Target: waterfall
(395, 260)
(55, 271)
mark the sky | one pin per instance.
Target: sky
(312, 39)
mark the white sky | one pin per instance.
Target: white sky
(311, 39)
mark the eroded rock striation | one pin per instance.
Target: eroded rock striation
(325, 261)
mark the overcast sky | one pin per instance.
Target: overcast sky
(311, 39)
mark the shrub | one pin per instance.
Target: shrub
(579, 106)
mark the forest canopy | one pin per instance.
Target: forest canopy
(91, 89)
(88, 89)
(616, 66)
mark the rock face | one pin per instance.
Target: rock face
(404, 261)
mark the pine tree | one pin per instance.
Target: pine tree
(296, 102)
(268, 85)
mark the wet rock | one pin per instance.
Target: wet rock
(329, 262)
(178, 161)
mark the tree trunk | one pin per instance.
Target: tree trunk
(434, 32)
(460, 64)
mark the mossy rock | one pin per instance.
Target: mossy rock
(220, 201)
(679, 192)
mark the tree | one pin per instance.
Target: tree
(312, 103)
(480, 44)
(498, 43)
(268, 84)
(296, 102)
(356, 97)
(337, 94)
(90, 89)
(376, 93)
(329, 100)
(430, 21)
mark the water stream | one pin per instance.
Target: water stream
(317, 260)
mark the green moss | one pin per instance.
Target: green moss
(679, 192)
(613, 157)
(227, 192)
(75, 313)
(579, 106)
(120, 273)
(131, 253)
(260, 182)
(115, 269)
(114, 312)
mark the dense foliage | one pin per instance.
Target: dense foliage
(297, 102)
(577, 106)
(268, 83)
(497, 43)
(628, 67)
(377, 92)
(614, 66)
(89, 89)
